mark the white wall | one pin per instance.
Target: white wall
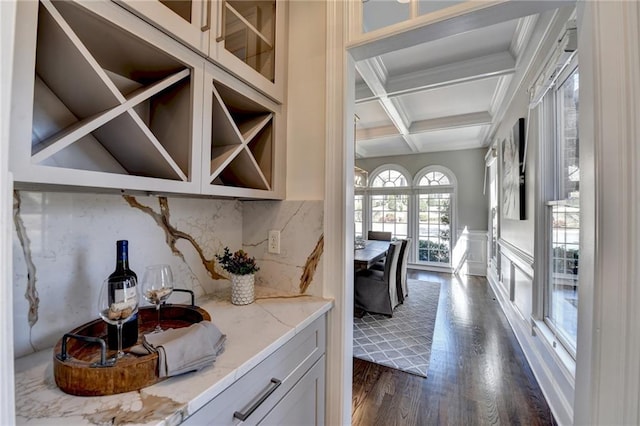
(520, 233)
(468, 166)
(306, 100)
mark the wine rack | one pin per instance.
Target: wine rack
(241, 140)
(107, 101)
(102, 100)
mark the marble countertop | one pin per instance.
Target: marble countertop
(253, 333)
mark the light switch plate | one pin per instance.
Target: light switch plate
(274, 242)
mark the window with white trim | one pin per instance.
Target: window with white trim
(389, 201)
(358, 209)
(561, 194)
(421, 209)
(434, 188)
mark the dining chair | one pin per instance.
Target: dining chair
(401, 279)
(379, 235)
(376, 291)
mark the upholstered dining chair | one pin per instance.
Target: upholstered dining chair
(377, 291)
(401, 278)
(401, 270)
(379, 235)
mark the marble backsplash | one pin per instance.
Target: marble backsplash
(64, 247)
(296, 268)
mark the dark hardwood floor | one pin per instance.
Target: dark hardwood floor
(477, 375)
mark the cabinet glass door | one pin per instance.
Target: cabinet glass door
(249, 42)
(248, 33)
(187, 20)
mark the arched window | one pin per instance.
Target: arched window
(389, 200)
(388, 178)
(435, 187)
(422, 208)
(434, 178)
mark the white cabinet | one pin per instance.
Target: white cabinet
(250, 42)
(189, 21)
(287, 388)
(304, 404)
(103, 100)
(243, 131)
(245, 37)
(103, 103)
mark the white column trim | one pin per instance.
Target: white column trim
(338, 215)
(7, 389)
(608, 354)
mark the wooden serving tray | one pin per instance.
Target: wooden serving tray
(78, 375)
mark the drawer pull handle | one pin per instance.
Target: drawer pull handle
(271, 388)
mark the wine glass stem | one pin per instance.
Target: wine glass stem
(120, 352)
(158, 328)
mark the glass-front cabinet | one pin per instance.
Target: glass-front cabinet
(245, 37)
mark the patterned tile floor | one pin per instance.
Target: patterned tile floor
(403, 341)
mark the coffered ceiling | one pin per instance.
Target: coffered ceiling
(436, 96)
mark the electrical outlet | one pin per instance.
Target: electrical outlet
(274, 241)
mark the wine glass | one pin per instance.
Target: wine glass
(157, 285)
(117, 302)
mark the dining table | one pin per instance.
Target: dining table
(366, 257)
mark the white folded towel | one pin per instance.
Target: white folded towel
(181, 350)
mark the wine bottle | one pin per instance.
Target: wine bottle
(129, 328)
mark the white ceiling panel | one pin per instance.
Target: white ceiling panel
(464, 98)
(394, 145)
(450, 139)
(375, 115)
(473, 44)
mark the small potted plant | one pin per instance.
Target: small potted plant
(242, 269)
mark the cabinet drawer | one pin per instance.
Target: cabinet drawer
(304, 404)
(258, 391)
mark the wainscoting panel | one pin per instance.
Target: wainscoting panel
(523, 292)
(514, 291)
(470, 253)
(477, 253)
(505, 276)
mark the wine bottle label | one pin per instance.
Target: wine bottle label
(122, 295)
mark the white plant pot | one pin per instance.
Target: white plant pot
(242, 289)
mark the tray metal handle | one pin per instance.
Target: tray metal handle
(247, 411)
(63, 355)
(193, 296)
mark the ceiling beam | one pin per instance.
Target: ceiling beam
(522, 34)
(497, 64)
(422, 126)
(462, 17)
(451, 122)
(454, 73)
(376, 133)
(374, 75)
